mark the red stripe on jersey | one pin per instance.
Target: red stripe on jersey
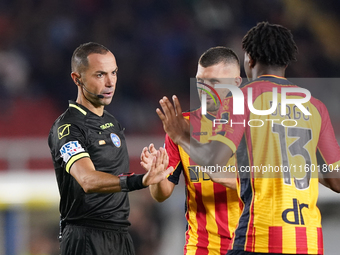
(251, 237)
(201, 251)
(301, 240)
(275, 240)
(202, 232)
(172, 150)
(320, 241)
(221, 216)
(240, 202)
(187, 236)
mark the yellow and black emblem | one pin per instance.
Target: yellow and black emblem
(106, 125)
(64, 130)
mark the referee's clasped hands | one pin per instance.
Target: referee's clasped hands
(155, 162)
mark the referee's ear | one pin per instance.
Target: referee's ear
(75, 77)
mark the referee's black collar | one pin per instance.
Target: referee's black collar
(83, 110)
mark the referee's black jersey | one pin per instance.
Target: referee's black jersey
(79, 133)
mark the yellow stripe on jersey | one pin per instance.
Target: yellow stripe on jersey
(78, 108)
(74, 159)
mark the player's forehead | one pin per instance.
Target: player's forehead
(217, 71)
(101, 62)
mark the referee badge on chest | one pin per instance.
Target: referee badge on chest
(115, 139)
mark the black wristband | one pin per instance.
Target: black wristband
(123, 183)
(131, 182)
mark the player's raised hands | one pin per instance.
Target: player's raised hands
(174, 124)
(147, 156)
(158, 170)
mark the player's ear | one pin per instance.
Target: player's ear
(238, 81)
(252, 62)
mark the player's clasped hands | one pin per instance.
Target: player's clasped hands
(155, 162)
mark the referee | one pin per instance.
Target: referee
(91, 162)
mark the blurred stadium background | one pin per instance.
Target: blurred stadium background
(157, 45)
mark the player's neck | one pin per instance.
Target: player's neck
(259, 70)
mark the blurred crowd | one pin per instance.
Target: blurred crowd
(156, 43)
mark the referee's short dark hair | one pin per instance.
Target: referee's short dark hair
(216, 55)
(270, 44)
(79, 61)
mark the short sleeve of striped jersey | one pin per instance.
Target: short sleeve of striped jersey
(71, 145)
(327, 144)
(174, 160)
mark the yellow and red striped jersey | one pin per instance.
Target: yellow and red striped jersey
(212, 211)
(278, 173)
